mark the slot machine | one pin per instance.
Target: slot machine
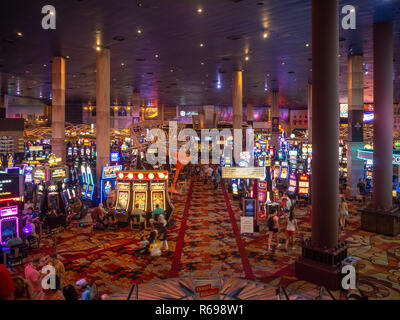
(53, 198)
(108, 181)
(284, 173)
(262, 191)
(39, 195)
(122, 205)
(292, 184)
(10, 224)
(304, 185)
(84, 181)
(90, 184)
(140, 191)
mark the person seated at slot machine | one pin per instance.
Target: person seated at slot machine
(30, 214)
(156, 215)
(111, 199)
(30, 230)
(76, 205)
(138, 217)
(110, 220)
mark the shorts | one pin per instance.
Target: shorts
(274, 230)
(290, 232)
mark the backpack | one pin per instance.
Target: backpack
(271, 222)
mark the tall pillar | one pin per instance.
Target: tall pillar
(321, 257)
(58, 108)
(3, 106)
(249, 112)
(383, 120)
(102, 112)
(309, 111)
(208, 116)
(275, 120)
(237, 90)
(355, 166)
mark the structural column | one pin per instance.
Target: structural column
(355, 166)
(275, 120)
(58, 108)
(309, 113)
(237, 89)
(383, 120)
(322, 254)
(102, 112)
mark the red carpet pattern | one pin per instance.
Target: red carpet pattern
(210, 249)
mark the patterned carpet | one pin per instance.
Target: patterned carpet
(210, 247)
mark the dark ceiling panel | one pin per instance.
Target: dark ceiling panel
(184, 72)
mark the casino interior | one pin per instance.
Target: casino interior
(155, 147)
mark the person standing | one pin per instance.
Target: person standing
(361, 190)
(343, 212)
(59, 266)
(291, 228)
(34, 278)
(273, 228)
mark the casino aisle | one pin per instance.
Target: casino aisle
(210, 246)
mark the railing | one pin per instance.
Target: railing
(279, 290)
(136, 288)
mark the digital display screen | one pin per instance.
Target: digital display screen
(9, 186)
(249, 208)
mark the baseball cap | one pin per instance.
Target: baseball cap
(81, 283)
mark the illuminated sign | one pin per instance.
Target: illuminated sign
(58, 173)
(368, 155)
(36, 148)
(142, 175)
(111, 172)
(344, 110)
(8, 211)
(115, 157)
(39, 174)
(243, 173)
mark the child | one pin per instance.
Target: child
(291, 227)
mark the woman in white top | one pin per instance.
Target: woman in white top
(291, 227)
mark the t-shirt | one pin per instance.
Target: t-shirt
(6, 283)
(32, 276)
(157, 212)
(87, 294)
(138, 212)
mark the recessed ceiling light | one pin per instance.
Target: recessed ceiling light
(202, 63)
(307, 44)
(67, 57)
(247, 58)
(122, 64)
(265, 35)
(98, 48)
(156, 55)
(172, 70)
(139, 31)
(19, 34)
(199, 10)
(201, 44)
(45, 65)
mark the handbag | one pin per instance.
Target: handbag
(155, 250)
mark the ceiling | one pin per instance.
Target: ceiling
(184, 72)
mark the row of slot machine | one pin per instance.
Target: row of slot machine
(147, 189)
(52, 190)
(86, 150)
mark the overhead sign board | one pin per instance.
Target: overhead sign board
(243, 173)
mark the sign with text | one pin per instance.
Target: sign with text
(207, 289)
(111, 172)
(246, 225)
(59, 173)
(243, 173)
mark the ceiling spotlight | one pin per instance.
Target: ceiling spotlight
(139, 31)
(201, 45)
(265, 35)
(98, 48)
(19, 34)
(172, 70)
(199, 10)
(247, 58)
(307, 44)
(67, 57)
(45, 65)
(202, 63)
(122, 64)
(156, 55)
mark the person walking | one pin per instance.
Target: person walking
(273, 228)
(343, 212)
(291, 228)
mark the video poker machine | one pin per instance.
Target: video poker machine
(145, 188)
(10, 224)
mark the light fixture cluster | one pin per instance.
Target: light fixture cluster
(145, 176)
